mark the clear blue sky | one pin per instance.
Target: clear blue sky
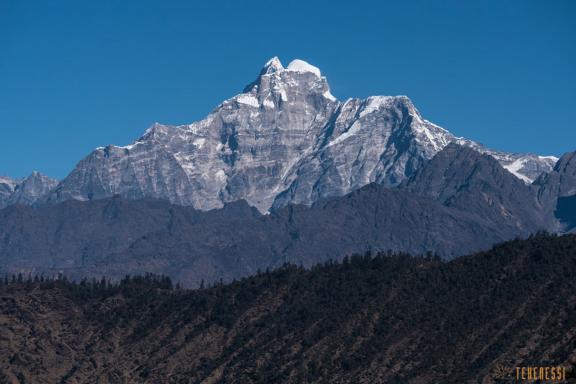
(78, 74)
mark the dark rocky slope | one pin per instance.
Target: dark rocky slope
(566, 212)
(458, 203)
(462, 178)
(557, 191)
(113, 237)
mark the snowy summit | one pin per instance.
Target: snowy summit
(284, 140)
(275, 65)
(302, 66)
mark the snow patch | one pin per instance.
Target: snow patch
(248, 99)
(220, 175)
(268, 103)
(273, 65)
(281, 91)
(129, 146)
(552, 158)
(354, 129)
(302, 66)
(8, 181)
(515, 167)
(329, 96)
(437, 139)
(422, 129)
(199, 143)
(374, 103)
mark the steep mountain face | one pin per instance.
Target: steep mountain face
(32, 189)
(559, 186)
(526, 167)
(460, 202)
(7, 186)
(284, 140)
(242, 150)
(565, 172)
(561, 181)
(462, 178)
(383, 320)
(35, 187)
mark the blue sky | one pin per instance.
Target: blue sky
(78, 74)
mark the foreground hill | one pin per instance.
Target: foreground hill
(389, 319)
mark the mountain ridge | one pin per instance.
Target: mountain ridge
(26, 191)
(285, 140)
(116, 235)
(460, 177)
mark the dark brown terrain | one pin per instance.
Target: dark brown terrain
(383, 319)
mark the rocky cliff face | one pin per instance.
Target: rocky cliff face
(242, 150)
(35, 187)
(562, 180)
(459, 177)
(284, 140)
(7, 186)
(557, 191)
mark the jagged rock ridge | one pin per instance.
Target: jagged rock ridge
(285, 139)
(462, 178)
(7, 186)
(25, 191)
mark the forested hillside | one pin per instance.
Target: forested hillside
(370, 319)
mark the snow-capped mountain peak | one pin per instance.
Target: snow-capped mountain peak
(276, 84)
(272, 65)
(284, 139)
(298, 65)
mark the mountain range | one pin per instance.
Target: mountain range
(27, 191)
(283, 172)
(284, 140)
(459, 202)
